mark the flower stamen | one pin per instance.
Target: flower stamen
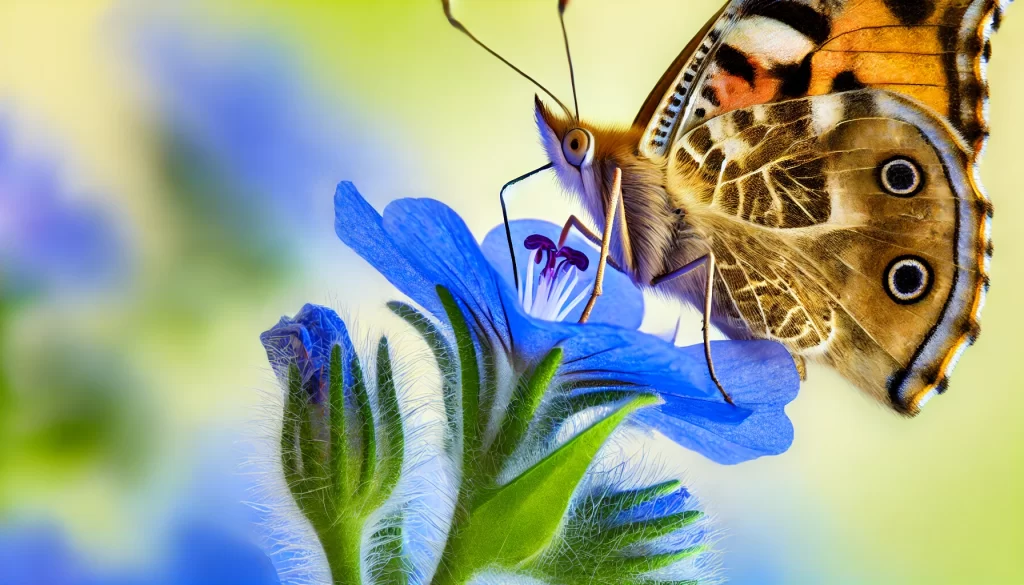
(545, 295)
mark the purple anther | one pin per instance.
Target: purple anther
(537, 241)
(574, 258)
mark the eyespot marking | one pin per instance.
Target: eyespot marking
(908, 279)
(901, 176)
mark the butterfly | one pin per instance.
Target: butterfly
(819, 159)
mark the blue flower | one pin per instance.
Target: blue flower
(342, 438)
(420, 244)
(38, 555)
(249, 134)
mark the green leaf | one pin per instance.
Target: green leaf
(470, 376)
(392, 436)
(520, 519)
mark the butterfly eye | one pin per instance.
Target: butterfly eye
(908, 279)
(575, 146)
(901, 177)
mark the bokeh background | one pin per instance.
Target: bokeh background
(166, 174)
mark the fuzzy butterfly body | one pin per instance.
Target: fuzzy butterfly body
(824, 153)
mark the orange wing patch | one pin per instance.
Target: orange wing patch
(872, 46)
(933, 51)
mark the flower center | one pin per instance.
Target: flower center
(552, 275)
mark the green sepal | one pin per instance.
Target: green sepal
(519, 520)
(469, 376)
(392, 435)
(366, 428)
(653, 562)
(389, 550)
(289, 428)
(446, 365)
(567, 406)
(338, 459)
(624, 535)
(612, 504)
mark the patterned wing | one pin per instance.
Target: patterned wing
(846, 227)
(762, 51)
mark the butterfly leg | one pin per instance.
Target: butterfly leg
(586, 232)
(708, 292)
(709, 263)
(606, 240)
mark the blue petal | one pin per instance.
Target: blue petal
(437, 241)
(621, 304)
(624, 358)
(359, 225)
(759, 375)
(761, 378)
(419, 244)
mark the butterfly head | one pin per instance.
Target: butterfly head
(585, 156)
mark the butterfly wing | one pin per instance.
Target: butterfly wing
(761, 51)
(846, 226)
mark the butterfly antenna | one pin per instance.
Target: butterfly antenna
(562, 4)
(458, 26)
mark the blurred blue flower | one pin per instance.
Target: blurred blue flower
(38, 555)
(248, 135)
(206, 554)
(200, 554)
(420, 244)
(242, 104)
(50, 240)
